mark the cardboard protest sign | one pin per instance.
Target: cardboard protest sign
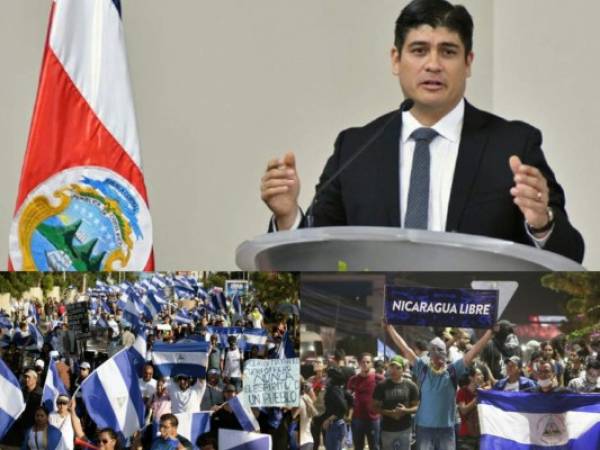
(272, 382)
(470, 308)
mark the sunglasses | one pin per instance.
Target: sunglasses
(62, 403)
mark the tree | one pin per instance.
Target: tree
(47, 282)
(583, 308)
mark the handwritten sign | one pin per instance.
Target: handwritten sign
(272, 382)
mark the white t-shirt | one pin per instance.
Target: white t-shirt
(65, 426)
(187, 401)
(512, 387)
(232, 367)
(305, 422)
(147, 388)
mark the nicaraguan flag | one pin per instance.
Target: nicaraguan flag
(5, 322)
(223, 333)
(384, 350)
(192, 425)
(243, 412)
(182, 316)
(112, 395)
(255, 336)
(82, 202)
(243, 440)
(37, 338)
(237, 304)
(11, 399)
(53, 387)
(189, 358)
(139, 351)
(537, 421)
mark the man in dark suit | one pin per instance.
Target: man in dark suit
(483, 175)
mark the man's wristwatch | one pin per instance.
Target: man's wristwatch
(546, 227)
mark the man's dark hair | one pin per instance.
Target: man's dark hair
(593, 364)
(362, 355)
(171, 418)
(436, 13)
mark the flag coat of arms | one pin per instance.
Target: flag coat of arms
(82, 202)
(535, 421)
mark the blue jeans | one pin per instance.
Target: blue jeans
(435, 438)
(396, 440)
(362, 428)
(334, 435)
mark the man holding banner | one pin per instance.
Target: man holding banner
(436, 415)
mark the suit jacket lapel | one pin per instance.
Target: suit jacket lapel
(389, 144)
(472, 143)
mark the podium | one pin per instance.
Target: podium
(333, 249)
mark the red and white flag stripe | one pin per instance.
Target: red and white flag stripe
(82, 202)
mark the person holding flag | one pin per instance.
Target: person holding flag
(66, 420)
(437, 382)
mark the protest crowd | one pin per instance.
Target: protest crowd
(430, 394)
(162, 366)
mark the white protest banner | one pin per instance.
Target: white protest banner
(272, 382)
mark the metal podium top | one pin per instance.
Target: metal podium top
(392, 249)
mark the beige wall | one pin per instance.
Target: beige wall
(221, 87)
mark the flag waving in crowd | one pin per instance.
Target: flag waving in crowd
(82, 202)
(140, 377)
(521, 420)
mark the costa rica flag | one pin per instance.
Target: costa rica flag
(82, 202)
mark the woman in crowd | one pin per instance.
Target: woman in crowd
(66, 420)
(108, 440)
(337, 404)
(42, 436)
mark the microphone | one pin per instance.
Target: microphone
(404, 106)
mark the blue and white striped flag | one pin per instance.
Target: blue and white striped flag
(189, 358)
(5, 322)
(182, 316)
(193, 425)
(255, 336)
(534, 421)
(243, 440)
(384, 350)
(237, 304)
(139, 351)
(243, 412)
(53, 387)
(11, 399)
(223, 333)
(112, 395)
(37, 338)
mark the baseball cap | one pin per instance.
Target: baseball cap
(514, 359)
(85, 365)
(397, 361)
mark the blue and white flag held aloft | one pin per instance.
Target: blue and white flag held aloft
(243, 440)
(112, 395)
(533, 421)
(11, 400)
(255, 336)
(189, 358)
(53, 387)
(192, 425)
(384, 351)
(243, 412)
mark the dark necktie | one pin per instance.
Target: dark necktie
(417, 207)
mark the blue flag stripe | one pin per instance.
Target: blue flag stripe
(551, 403)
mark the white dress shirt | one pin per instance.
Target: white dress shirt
(444, 151)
